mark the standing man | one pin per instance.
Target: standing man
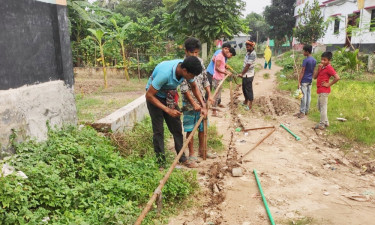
(248, 74)
(190, 105)
(211, 66)
(305, 80)
(162, 99)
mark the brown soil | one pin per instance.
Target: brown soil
(311, 178)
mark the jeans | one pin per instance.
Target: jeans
(322, 106)
(174, 125)
(306, 99)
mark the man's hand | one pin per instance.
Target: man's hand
(173, 112)
(240, 75)
(210, 99)
(320, 66)
(227, 72)
(325, 84)
(197, 107)
(299, 85)
(204, 112)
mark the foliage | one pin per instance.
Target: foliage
(98, 35)
(280, 16)
(78, 177)
(206, 19)
(258, 26)
(346, 61)
(311, 25)
(350, 98)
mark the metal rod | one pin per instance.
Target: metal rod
(259, 142)
(258, 128)
(264, 198)
(166, 176)
(283, 126)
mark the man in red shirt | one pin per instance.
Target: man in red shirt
(323, 75)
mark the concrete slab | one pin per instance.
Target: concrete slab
(124, 118)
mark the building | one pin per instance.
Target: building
(238, 41)
(342, 13)
(36, 69)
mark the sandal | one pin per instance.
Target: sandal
(246, 107)
(193, 158)
(190, 164)
(320, 127)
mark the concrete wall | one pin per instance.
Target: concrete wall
(36, 70)
(125, 118)
(27, 109)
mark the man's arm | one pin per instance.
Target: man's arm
(315, 75)
(245, 69)
(150, 96)
(197, 94)
(329, 84)
(209, 95)
(301, 76)
(188, 96)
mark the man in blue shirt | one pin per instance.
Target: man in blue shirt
(162, 99)
(305, 80)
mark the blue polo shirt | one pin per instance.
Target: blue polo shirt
(309, 63)
(210, 67)
(164, 77)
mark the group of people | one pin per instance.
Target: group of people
(196, 84)
(323, 74)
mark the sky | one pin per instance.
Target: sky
(255, 6)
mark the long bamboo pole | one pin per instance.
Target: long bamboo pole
(259, 142)
(166, 176)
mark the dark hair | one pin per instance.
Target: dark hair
(233, 51)
(307, 48)
(192, 65)
(226, 45)
(327, 55)
(192, 44)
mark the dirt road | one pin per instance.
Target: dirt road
(307, 181)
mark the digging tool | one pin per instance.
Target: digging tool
(258, 128)
(259, 142)
(264, 198)
(283, 126)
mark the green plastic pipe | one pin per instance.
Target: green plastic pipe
(264, 198)
(283, 126)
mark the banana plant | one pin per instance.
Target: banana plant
(120, 35)
(98, 35)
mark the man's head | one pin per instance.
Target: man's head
(307, 49)
(191, 67)
(250, 46)
(192, 46)
(326, 58)
(232, 52)
(225, 48)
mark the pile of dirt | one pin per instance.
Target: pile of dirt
(275, 105)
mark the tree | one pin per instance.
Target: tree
(120, 35)
(98, 35)
(311, 26)
(258, 25)
(206, 19)
(280, 16)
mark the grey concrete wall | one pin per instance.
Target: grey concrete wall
(125, 118)
(27, 109)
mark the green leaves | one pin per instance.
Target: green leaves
(78, 177)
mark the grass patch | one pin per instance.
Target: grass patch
(266, 76)
(303, 221)
(214, 142)
(351, 99)
(79, 177)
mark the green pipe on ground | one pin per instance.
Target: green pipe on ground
(264, 198)
(283, 126)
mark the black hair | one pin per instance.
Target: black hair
(192, 65)
(192, 44)
(307, 48)
(226, 45)
(233, 51)
(327, 55)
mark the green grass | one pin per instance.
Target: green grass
(266, 76)
(351, 99)
(214, 142)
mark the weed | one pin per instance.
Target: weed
(303, 221)
(266, 76)
(78, 177)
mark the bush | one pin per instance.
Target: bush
(78, 177)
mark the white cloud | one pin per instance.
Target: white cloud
(255, 6)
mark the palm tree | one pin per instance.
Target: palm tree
(120, 35)
(98, 35)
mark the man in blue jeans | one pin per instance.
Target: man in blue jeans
(305, 80)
